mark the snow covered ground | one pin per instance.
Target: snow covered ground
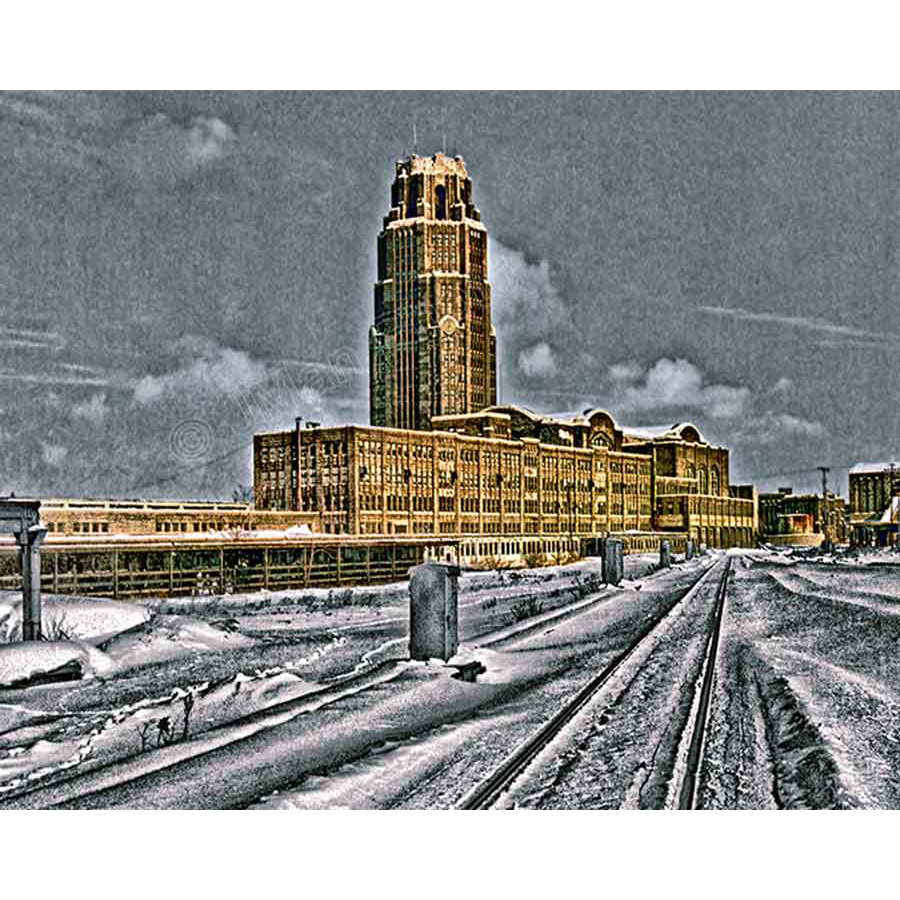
(808, 695)
(142, 663)
(804, 712)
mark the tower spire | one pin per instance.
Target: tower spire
(432, 350)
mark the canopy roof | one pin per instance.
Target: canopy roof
(888, 516)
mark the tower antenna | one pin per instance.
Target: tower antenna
(415, 140)
(444, 144)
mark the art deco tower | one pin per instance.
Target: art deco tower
(432, 349)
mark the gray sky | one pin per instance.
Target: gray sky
(180, 270)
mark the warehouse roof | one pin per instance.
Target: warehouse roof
(874, 468)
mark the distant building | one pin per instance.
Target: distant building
(81, 517)
(799, 519)
(874, 500)
(432, 348)
(508, 482)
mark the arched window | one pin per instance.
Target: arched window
(704, 481)
(440, 202)
(412, 198)
(714, 481)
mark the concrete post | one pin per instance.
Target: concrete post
(30, 549)
(433, 611)
(613, 560)
(665, 555)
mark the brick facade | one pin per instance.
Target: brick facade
(432, 348)
(520, 478)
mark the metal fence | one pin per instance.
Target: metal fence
(176, 571)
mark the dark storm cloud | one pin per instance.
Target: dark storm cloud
(208, 258)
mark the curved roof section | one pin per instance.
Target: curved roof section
(680, 431)
(512, 408)
(576, 417)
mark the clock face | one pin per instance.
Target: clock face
(448, 325)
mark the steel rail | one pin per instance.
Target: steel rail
(687, 796)
(486, 793)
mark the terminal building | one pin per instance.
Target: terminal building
(508, 483)
(442, 458)
(442, 471)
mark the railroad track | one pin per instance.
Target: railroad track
(488, 792)
(687, 796)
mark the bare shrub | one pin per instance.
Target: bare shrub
(535, 560)
(143, 731)
(187, 701)
(164, 733)
(493, 563)
(56, 627)
(13, 633)
(526, 608)
(565, 559)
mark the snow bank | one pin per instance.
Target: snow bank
(69, 618)
(168, 637)
(21, 661)
(807, 775)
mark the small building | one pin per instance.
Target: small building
(793, 519)
(874, 492)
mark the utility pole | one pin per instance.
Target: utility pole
(892, 517)
(825, 527)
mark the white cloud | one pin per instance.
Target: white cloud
(821, 325)
(158, 151)
(52, 379)
(795, 425)
(538, 361)
(29, 338)
(772, 428)
(783, 386)
(208, 139)
(674, 384)
(219, 371)
(53, 454)
(526, 305)
(625, 372)
(95, 410)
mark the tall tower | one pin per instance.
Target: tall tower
(432, 349)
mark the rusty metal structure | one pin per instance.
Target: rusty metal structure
(123, 567)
